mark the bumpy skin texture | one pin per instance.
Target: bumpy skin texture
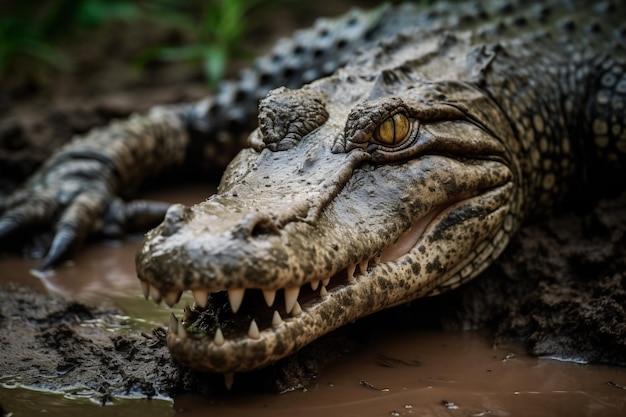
(401, 175)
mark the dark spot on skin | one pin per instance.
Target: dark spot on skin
(352, 22)
(264, 78)
(568, 25)
(288, 72)
(594, 27)
(520, 21)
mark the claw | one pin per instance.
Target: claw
(74, 224)
(60, 245)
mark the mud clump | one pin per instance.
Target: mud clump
(52, 344)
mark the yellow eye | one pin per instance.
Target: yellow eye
(393, 130)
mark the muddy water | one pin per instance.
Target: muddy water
(398, 374)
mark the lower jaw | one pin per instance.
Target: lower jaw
(343, 303)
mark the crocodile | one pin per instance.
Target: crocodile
(397, 151)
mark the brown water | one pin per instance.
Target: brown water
(440, 373)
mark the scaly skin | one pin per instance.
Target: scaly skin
(402, 175)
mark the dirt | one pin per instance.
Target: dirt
(560, 287)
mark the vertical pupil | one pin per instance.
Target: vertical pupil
(393, 130)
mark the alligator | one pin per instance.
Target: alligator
(397, 151)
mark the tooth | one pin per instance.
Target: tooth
(219, 337)
(235, 297)
(155, 294)
(253, 331)
(182, 333)
(351, 269)
(187, 312)
(363, 267)
(291, 297)
(325, 282)
(297, 310)
(376, 259)
(172, 297)
(323, 292)
(229, 378)
(270, 296)
(145, 288)
(201, 297)
(315, 284)
(277, 321)
(173, 324)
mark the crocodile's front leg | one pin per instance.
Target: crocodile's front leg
(78, 186)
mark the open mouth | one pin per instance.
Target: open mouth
(244, 329)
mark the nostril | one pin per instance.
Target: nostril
(264, 227)
(255, 225)
(175, 216)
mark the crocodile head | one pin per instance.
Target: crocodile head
(357, 194)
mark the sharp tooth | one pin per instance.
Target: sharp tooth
(235, 297)
(219, 337)
(182, 333)
(155, 294)
(323, 292)
(351, 269)
(172, 297)
(270, 296)
(187, 312)
(229, 378)
(363, 267)
(291, 297)
(253, 331)
(201, 297)
(173, 324)
(376, 259)
(315, 284)
(297, 310)
(277, 321)
(145, 288)
(325, 282)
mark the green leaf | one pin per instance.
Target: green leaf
(214, 63)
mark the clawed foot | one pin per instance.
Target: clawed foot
(73, 201)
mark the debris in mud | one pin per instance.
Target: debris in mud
(372, 386)
(449, 405)
(616, 385)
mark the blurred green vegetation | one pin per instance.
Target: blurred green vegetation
(32, 29)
